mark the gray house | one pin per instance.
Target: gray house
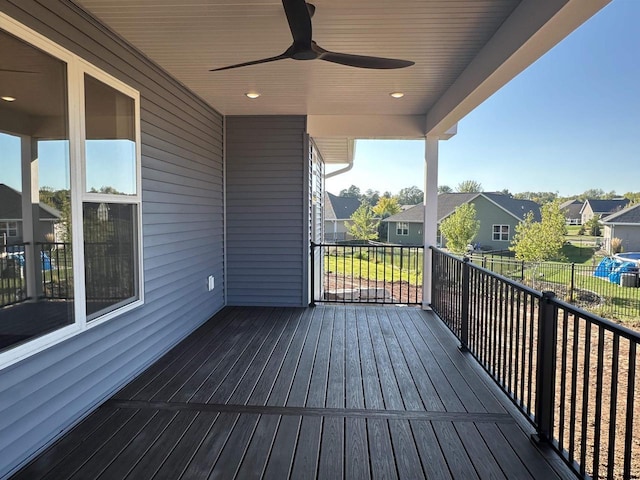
(498, 215)
(337, 211)
(571, 210)
(11, 225)
(191, 190)
(593, 207)
(624, 225)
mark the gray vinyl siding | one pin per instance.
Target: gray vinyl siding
(182, 216)
(414, 237)
(267, 210)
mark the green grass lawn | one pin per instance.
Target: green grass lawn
(381, 268)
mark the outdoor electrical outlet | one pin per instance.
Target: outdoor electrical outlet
(211, 282)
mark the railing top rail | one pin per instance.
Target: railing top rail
(364, 245)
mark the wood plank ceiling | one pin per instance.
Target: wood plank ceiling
(187, 39)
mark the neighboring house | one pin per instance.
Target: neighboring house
(593, 207)
(217, 195)
(624, 225)
(571, 210)
(11, 227)
(406, 227)
(498, 215)
(338, 210)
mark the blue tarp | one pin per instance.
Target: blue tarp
(612, 268)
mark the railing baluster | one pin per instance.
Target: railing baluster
(599, 373)
(585, 398)
(613, 407)
(631, 386)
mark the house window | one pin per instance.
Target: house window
(10, 229)
(402, 228)
(438, 238)
(501, 233)
(83, 126)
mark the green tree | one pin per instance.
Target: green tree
(539, 197)
(460, 228)
(352, 191)
(445, 189)
(469, 186)
(371, 197)
(385, 207)
(536, 242)
(410, 196)
(363, 225)
(592, 226)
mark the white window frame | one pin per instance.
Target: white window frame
(76, 69)
(497, 236)
(6, 227)
(402, 227)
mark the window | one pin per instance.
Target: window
(501, 233)
(10, 229)
(402, 228)
(80, 258)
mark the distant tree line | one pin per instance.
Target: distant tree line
(413, 195)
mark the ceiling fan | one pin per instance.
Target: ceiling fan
(299, 15)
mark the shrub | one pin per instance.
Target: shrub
(616, 245)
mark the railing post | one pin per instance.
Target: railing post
(573, 282)
(464, 321)
(546, 364)
(313, 275)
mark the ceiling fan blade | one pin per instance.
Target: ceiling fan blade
(299, 18)
(363, 61)
(253, 62)
(8, 70)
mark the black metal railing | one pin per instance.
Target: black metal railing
(367, 273)
(13, 287)
(572, 373)
(57, 270)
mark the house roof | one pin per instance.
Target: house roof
(464, 51)
(630, 215)
(11, 206)
(572, 208)
(339, 208)
(448, 202)
(601, 207)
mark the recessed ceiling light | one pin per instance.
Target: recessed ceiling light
(397, 94)
(8, 99)
(252, 95)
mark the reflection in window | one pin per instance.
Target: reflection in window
(110, 140)
(36, 293)
(110, 256)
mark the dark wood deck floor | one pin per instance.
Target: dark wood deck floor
(329, 392)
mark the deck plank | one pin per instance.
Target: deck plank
(259, 449)
(181, 455)
(405, 451)
(480, 454)
(68, 444)
(154, 458)
(431, 455)
(281, 459)
(356, 449)
(331, 463)
(328, 392)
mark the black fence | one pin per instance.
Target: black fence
(572, 373)
(56, 270)
(13, 287)
(380, 274)
(574, 283)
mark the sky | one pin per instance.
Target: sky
(569, 123)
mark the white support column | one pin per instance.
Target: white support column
(31, 216)
(430, 214)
